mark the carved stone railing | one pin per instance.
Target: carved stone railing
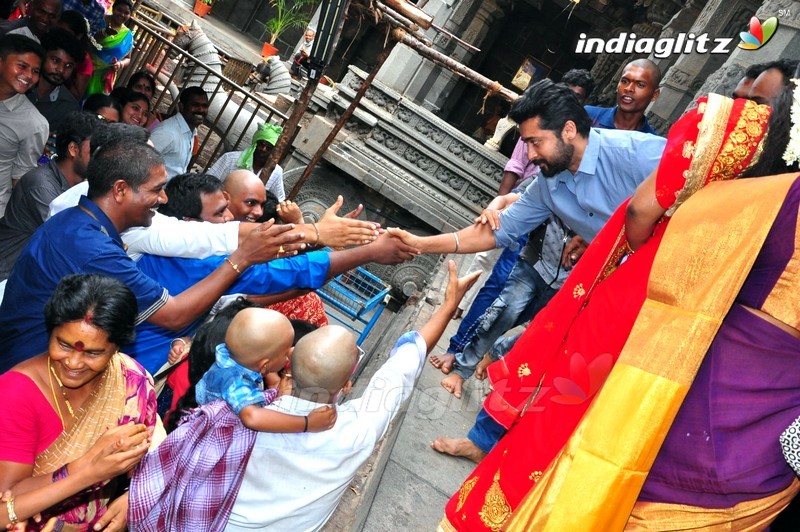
(412, 157)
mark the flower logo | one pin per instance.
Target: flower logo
(585, 379)
(759, 33)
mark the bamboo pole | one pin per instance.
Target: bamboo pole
(396, 34)
(299, 109)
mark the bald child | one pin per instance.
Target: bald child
(257, 342)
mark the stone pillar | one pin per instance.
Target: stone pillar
(719, 18)
(785, 43)
(421, 80)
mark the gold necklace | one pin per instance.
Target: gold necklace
(52, 373)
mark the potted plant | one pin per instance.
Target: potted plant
(288, 15)
(203, 7)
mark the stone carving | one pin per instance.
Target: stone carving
(477, 196)
(450, 179)
(787, 10)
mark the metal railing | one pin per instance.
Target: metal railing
(234, 112)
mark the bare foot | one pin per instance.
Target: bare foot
(480, 369)
(452, 383)
(443, 362)
(458, 447)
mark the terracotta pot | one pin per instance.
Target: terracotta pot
(267, 50)
(201, 9)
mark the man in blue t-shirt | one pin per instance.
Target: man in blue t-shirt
(637, 87)
(126, 186)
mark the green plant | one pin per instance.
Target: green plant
(208, 2)
(288, 15)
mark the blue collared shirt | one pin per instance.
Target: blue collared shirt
(152, 342)
(230, 381)
(73, 241)
(613, 165)
(603, 118)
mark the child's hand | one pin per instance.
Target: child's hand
(321, 419)
(290, 212)
(178, 349)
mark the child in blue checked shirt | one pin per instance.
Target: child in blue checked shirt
(258, 341)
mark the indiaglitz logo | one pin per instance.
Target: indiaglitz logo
(759, 34)
(629, 43)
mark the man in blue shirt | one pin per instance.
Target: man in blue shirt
(126, 186)
(637, 87)
(586, 174)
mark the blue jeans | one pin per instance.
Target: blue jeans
(523, 296)
(486, 432)
(491, 289)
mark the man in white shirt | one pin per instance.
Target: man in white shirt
(174, 137)
(295, 481)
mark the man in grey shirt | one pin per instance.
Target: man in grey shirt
(23, 130)
(30, 200)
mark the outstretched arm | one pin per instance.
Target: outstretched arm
(475, 238)
(456, 288)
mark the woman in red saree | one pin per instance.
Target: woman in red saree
(545, 386)
(59, 454)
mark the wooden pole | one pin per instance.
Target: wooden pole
(300, 106)
(396, 35)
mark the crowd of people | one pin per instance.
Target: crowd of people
(653, 385)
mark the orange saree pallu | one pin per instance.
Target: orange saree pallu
(545, 386)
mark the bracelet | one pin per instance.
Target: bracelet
(305, 429)
(455, 235)
(12, 515)
(233, 265)
(181, 340)
(61, 473)
(317, 230)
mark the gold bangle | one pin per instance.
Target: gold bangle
(233, 265)
(317, 230)
(455, 235)
(12, 515)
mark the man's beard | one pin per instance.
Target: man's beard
(561, 162)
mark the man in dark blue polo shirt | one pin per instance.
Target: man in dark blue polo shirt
(637, 87)
(126, 186)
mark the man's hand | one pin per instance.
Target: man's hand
(407, 238)
(458, 286)
(491, 217)
(390, 249)
(336, 231)
(116, 517)
(269, 241)
(573, 251)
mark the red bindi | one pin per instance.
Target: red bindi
(79, 346)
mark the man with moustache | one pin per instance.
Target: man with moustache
(42, 15)
(50, 96)
(586, 174)
(126, 186)
(637, 87)
(174, 137)
(30, 199)
(246, 195)
(23, 130)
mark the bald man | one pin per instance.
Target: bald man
(246, 195)
(637, 87)
(295, 481)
